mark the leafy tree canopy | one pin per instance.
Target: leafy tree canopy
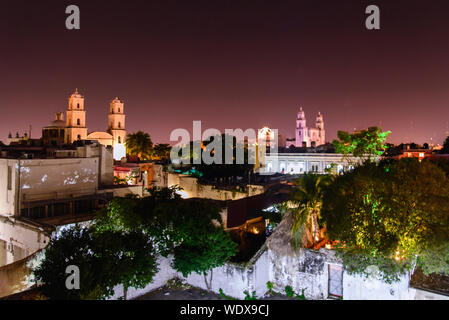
(216, 147)
(389, 213)
(104, 260)
(190, 227)
(364, 144)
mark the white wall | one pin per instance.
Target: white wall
(25, 238)
(58, 178)
(165, 273)
(7, 197)
(358, 287)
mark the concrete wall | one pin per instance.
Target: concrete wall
(233, 279)
(58, 178)
(8, 196)
(16, 277)
(24, 239)
(357, 287)
(418, 294)
(191, 188)
(166, 272)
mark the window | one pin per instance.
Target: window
(9, 178)
(118, 110)
(78, 122)
(119, 140)
(119, 125)
(335, 288)
(78, 105)
(79, 137)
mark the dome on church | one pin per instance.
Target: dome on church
(58, 122)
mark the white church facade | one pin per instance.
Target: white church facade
(308, 136)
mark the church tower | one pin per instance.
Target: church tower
(319, 124)
(116, 127)
(76, 119)
(301, 129)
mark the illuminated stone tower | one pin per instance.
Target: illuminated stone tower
(319, 124)
(76, 118)
(116, 127)
(302, 136)
(309, 137)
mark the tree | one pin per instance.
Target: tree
(364, 144)
(162, 152)
(388, 214)
(226, 170)
(139, 144)
(105, 259)
(307, 195)
(191, 229)
(445, 149)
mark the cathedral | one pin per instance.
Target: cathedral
(61, 132)
(309, 137)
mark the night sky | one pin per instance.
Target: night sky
(228, 64)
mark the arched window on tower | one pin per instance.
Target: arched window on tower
(78, 105)
(118, 110)
(79, 137)
(119, 125)
(119, 139)
(78, 122)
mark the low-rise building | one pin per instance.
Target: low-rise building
(300, 163)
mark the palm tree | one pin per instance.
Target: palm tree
(307, 195)
(139, 144)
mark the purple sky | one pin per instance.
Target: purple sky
(229, 65)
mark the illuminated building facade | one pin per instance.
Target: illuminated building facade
(308, 137)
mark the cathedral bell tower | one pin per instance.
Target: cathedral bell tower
(301, 129)
(116, 127)
(319, 124)
(76, 119)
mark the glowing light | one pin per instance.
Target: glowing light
(183, 194)
(328, 246)
(255, 230)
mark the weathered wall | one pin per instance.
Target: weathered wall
(418, 294)
(25, 239)
(123, 191)
(7, 195)
(58, 178)
(16, 277)
(306, 271)
(165, 273)
(192, 189)
(358, 287)
(233, 279)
